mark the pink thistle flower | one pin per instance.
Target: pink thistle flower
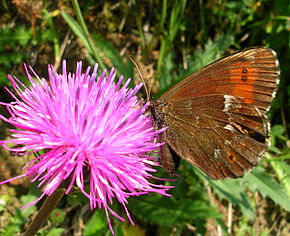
(88, 127)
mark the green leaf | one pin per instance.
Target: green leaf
(274, 149)
(20, 217)
(168, 211)
(213, 50)
(234, 191)
(26, 212)
(277, 130)
(131, 230)
(55, 232)
(10, 229)
(166, 77)
(231, 189)
(110, 52)
(82, 32)
(53, 33)
(76, 29)
(259, 181)
(281, 168)
(97, 224)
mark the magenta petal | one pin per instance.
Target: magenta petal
(85, 125)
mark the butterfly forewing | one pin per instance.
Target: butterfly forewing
(216, 117)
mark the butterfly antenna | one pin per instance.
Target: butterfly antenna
(145, 86)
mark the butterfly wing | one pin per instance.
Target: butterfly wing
(216, 117)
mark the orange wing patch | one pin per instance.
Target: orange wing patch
(231, 157)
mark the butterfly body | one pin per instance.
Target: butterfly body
(216, 117)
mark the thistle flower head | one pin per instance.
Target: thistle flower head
(90, 127)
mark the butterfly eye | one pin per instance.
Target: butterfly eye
(244, 78)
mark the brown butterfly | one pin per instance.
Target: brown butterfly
(216, 117)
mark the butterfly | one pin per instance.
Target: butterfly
(216, 118)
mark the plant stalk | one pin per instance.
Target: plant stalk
(47, 207)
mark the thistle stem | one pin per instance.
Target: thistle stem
(47, 207)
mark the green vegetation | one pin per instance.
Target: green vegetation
(169, 40)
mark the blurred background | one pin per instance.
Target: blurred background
(169, 40)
